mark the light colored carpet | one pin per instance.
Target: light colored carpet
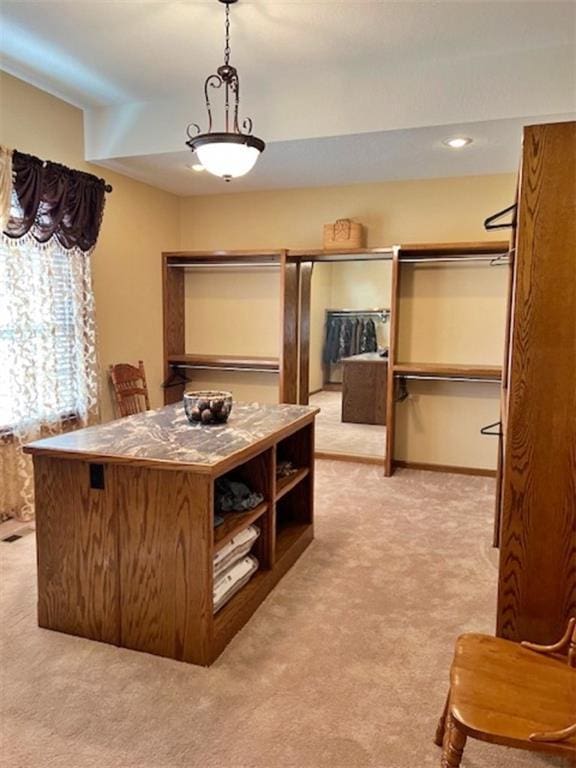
(344, 666)
(335, 436)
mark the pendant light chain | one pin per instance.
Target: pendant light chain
(227, 64)
(227, 48)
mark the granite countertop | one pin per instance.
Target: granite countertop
(166, 436)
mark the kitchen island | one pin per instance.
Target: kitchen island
(125, 524)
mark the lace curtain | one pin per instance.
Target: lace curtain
(48, 368)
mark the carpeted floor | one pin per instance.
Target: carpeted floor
(335, 436)
(344, 666)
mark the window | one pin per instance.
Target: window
(46, 334)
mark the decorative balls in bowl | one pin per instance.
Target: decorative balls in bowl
(207, 406)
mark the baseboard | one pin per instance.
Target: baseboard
(314, 392)
(479, 472)
(358, 459)
(332, 386)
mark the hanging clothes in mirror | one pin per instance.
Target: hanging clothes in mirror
(350, 332)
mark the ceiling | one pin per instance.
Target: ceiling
(342, 92)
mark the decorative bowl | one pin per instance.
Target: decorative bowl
(207, 406)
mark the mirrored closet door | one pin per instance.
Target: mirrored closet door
(349, 314)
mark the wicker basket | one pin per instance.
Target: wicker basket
(344, 233)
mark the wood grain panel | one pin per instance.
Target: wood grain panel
(478, 248)
(76, 551)
(173, 323)
(342, 254)
(505, 387)
(455, 370)
(452, 469)
(227, 361)
(233, 257)
(304, 334)
(166, 549)
(537, 586)
(392, 352)
(289, 324)
(364, 390)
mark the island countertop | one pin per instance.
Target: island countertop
(165, 438)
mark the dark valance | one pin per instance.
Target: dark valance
(51, 200)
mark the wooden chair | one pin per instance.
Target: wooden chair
(518, 695)
(129, 386)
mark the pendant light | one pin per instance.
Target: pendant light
(234, 151)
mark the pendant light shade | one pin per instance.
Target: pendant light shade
(232, 152)
(228, 155)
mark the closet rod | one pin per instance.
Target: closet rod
(352, 312)
(225, 265)
(438, 377)
(226, 368)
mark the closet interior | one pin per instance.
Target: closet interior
(200, 340)
(439, 260)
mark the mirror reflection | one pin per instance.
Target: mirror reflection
(349, 340)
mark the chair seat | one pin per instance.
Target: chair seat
(503, 692)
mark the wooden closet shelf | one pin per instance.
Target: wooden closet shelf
(225, 361)
(454, 249)
(285, 484)
(206, 257)
(343, 254)
(234, 522)
(457, 371)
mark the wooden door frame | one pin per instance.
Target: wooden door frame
(289, 325)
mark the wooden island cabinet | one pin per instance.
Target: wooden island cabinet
(125, 524)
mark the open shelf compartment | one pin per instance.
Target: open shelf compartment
(234, 522)
(285, 484)
(256, 473)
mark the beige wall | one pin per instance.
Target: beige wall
(433, 210)
(139, 222)
(234, 312)
(449, 314)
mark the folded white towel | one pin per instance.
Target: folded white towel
(233, 579)
(235, 550)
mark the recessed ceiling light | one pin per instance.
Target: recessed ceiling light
(198, 167)
(457, 142)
